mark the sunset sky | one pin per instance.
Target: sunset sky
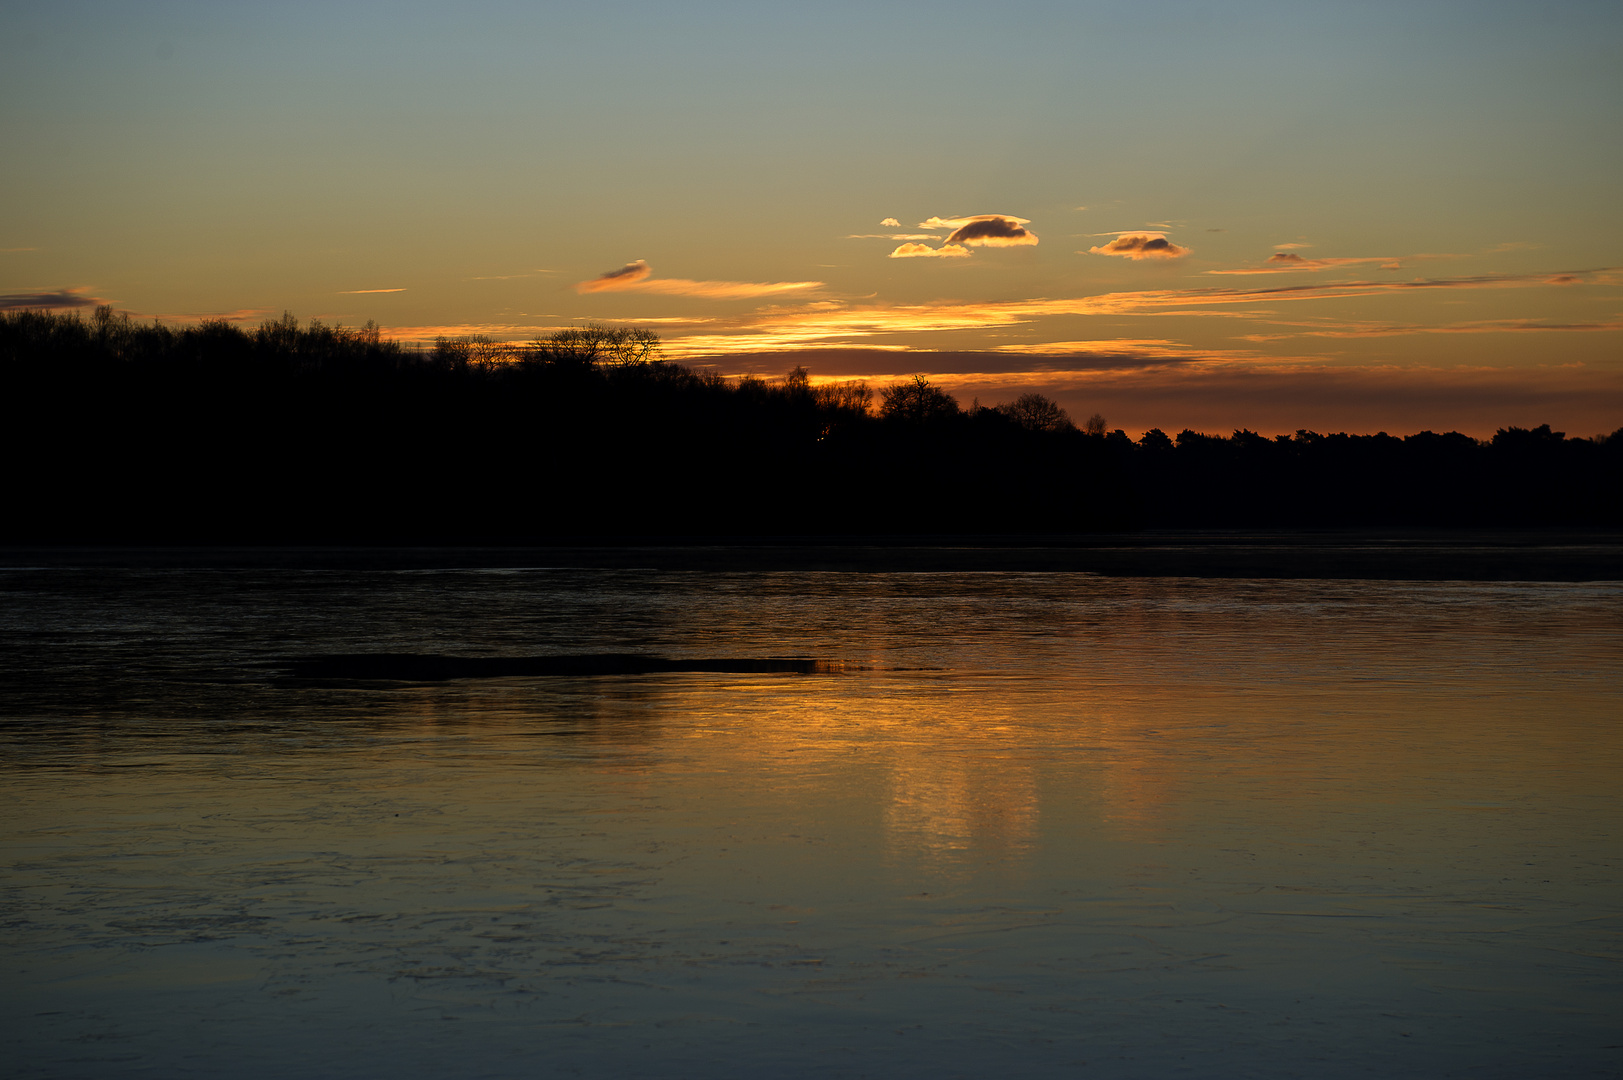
(1371, 216)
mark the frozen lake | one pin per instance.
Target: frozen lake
(1017, 824)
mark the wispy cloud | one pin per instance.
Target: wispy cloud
(637, 277)
(362, 292)
(1159, 347)
(15, 251)
(890, 223)
(1482, 326)
(816, 325)
(498, 331)
(1088, 360)
(1141, 245)
(925, 251)
(234, 315)
(1287, 262)
(59, 298)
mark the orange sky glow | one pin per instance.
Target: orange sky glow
(1421, 233)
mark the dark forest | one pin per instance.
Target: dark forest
(119, 432)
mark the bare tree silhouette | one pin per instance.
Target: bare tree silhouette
(1036, 412)
(917, 402)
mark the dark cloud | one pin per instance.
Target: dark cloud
(62, 298)
(859, 362)
(992, 230)
(623, 278)
(1141, 245)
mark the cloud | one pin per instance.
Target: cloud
(359, 292)
(1290, 247)
(890, 223)
(925, 251)
(234, 315)
(1564, 279)
(984, 230)
(616, 280)
(1288, 262)
(637, 277)
(992, 230)
(1483, 326)
(829, 323)
(1141, 245)
(1085, 359)
(61, 298)
(1156, 348)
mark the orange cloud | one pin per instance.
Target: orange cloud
(723, 290)
(616, 280)
(358, 292)
(890, 223)
(1141, 245)
(636, 277)
(925, 251)
(826, 323)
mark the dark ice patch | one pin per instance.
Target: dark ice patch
(429, 667)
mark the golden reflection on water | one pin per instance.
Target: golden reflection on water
(964, 797)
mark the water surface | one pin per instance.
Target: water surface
(1016, 824)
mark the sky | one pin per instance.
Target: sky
(1335, 216)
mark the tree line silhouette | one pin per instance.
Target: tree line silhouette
(117, 431)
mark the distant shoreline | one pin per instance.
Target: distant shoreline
(1570, 555)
